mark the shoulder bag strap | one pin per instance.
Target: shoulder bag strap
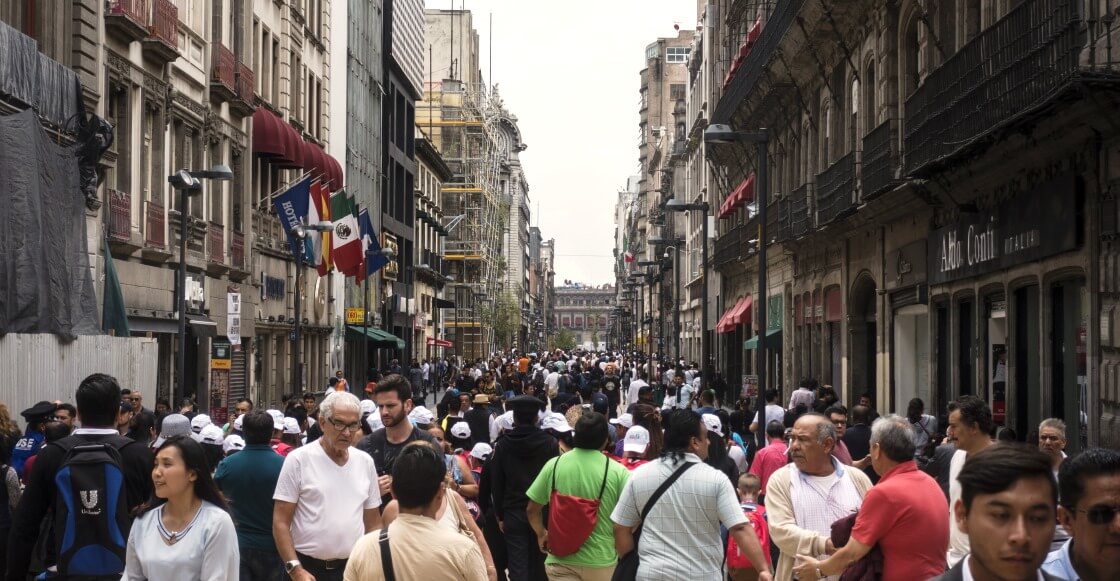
(555, 466)
(606, 470)
(662, 489)
(386, 556)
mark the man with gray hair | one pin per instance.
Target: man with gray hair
(327, 496)
(804, 498)
(903, 514)
(1052, 441)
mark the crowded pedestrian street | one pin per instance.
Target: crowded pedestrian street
(364, 290)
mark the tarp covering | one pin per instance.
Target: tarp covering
(33, 78)
(45, 280)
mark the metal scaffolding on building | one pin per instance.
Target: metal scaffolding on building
(461, 120)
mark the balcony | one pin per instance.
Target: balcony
(800, 222)
(246, 101)
(216, 249)
(777, 221)
(163, 33)
(733, 246)
(239, 266)
(1020, 63)
(129, 18)
(877, 174)
(835, 188)
(155, 233)
(120, 223)
(745, 80)
(223, 73)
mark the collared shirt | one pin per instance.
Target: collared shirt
(768, 460)
(95, 432)
(1060, 564)
(801, 395)
(966, 572)
(684, 522)
(248, 479)
(422, 548)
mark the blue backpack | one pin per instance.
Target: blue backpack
(91, 509)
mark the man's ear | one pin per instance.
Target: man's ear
(961, 515)
(1065, 518)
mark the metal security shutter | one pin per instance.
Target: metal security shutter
(237, 375)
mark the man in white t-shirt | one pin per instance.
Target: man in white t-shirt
(970, 423)
(774, 412)
(638, 383)
(327, 496)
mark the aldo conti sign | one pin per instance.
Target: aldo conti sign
(1028, 227)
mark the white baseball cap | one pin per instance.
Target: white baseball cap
(482, 451)
(421, 415)
(556, 422)
(367, 406)
(277, 419)
(374, 422)
(461, 430)
(505, 421)
(237, 423)
(212, 435)
(637, 440)
(291, 426)
(625, 420)
(713, 423)
(200, 421)
(233, 442)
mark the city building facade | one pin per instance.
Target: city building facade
(584, 311)
(431, 173)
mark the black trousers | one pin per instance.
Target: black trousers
(497, 543)
(526, 562)
(320, 568)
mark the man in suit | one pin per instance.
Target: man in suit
(1007, 508)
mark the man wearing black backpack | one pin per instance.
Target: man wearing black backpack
(105, 470)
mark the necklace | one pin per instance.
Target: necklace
(171, 537)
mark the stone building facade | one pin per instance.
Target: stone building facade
(585, 311)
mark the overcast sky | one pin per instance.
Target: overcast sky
(569, 72)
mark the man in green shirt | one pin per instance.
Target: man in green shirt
(582, 472)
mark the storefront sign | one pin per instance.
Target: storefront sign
(433, 342)
(219, 396)
(1031, 226)
(906, 266)
(774, 313)
(392, 269)
(750, 386)
(354, 316)
(272, 288)
(220, 355)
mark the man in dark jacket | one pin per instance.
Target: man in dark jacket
(99, 399)
(478, 418)
(518, 458)
(612, 387)
(858, 440)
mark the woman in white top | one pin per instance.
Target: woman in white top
(184, 533)
(923, 425)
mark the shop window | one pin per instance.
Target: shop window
(966, 355)
(944, 364)
(1025, 405)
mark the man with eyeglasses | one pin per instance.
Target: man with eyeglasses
(326, 497)
(838, 414)
(1089, 509)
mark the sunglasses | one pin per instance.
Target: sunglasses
(1102, 515)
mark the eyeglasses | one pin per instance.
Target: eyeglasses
(1102, 515)
(355, 427)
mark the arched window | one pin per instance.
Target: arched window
(911, 51)
(853, 126)
(870, 108)
(824, 155)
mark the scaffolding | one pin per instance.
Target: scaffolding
(462, 121)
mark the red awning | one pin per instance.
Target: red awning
(315, 160)
(721, 326)
(743, 193)
(276, 139)
(334, 173)
(735, 316)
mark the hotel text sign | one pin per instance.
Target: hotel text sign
(1031, 226)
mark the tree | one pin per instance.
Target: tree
(565, 339)
(503, 317)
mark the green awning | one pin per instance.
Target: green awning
(773, 340)
(377, 337)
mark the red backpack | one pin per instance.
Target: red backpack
(756, 516)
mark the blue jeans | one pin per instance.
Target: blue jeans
(260, 565)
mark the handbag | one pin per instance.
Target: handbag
(571, 519)
(627, 568)
(460, 518)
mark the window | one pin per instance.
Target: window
(651, 51)
(676, 92)
(677, 54)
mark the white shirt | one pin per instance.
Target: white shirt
(552, 382)
(680, 539)
(632, 391)
(966, 572)
(426, 370)
(819, 501)
(774, 413)
(958, 541)
(801, 395)
(735, 452)
(206, 552)
(329, 499)
(925, 427)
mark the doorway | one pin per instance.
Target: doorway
(911, 356)
(1069, 307)
(1026, 386)
(966, 357)
(862, 328)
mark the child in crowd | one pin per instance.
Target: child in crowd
(738, 566)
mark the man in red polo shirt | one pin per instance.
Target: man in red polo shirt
(903, 514)
(770, 458)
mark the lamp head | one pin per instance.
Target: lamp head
(719, 133)
(676, 205)
(220, 172)
(320, 226)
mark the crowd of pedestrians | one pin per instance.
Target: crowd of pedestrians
(563, 466)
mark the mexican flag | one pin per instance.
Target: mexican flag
(627, 255)
(319, 210)
(346, 241)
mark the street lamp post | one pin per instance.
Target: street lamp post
(301, 231)
(675, 244)
(719, 134)
(187, 183)
(705, 346)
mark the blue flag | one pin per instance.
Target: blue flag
(370, 244)
(291, 208)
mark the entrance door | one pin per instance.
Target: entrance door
(861, 326)
(910, 357)
(1025, 391)
(1069, 305)
(966, 356)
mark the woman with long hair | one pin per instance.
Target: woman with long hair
(184, 533)
(649, 418)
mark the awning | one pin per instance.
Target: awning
(153, 325)
(276, 139)
(377, 337)
(444, 304)
(202, 326)
(743, 194)
(335, 173)
(736, 315)
(773, 340)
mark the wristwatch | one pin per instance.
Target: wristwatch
(290, 566)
